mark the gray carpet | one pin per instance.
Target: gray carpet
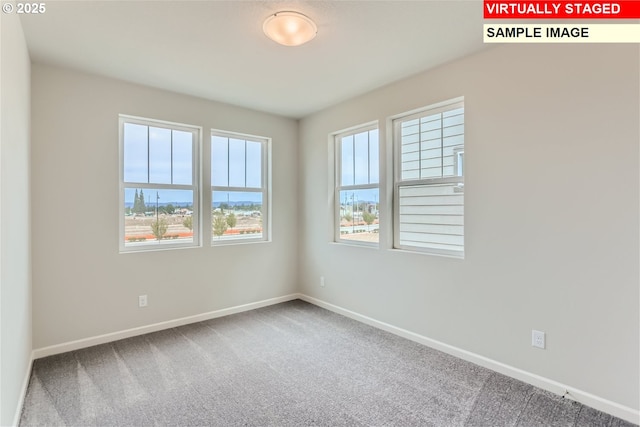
(292, 364)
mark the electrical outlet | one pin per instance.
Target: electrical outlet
(142, 301)
(322, 281)
(537, 339)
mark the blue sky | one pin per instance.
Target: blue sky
(164, 158)
(235, 162)
(360, 163)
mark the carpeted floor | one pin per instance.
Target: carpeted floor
(291, 364)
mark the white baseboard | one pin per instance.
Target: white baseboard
(128, 333)
(23, 392)
(588, 399)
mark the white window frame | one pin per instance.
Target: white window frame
(194, 187)
(399, 183)
(265, 152)
(337, 144)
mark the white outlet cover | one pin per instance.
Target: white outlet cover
(142, 301)
(538, 339)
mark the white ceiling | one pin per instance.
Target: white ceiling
(217, 50)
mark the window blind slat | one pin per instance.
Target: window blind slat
(431, 216)
(454, 230)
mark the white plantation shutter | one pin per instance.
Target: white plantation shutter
(432, 216)
(429, 187)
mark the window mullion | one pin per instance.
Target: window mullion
(245, 162)
(228, 160)
(171, 161)
(353, 155)
(237, 189)
(358, 187)
(148, 155)
(152, 186)
(369, 157)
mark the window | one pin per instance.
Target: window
(239, 184)
(429, 181)
(158, 184)
(357, 178)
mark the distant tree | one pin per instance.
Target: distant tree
(170, 209)
(188, 222)
(223, 206)
(141, 206)
(347, 217)
(136, 202)
(368, 217)
(159, 228)
(219, 224)
(232, 220)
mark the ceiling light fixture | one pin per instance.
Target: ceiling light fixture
(289, 28)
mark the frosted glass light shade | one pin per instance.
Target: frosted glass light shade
(289, 28)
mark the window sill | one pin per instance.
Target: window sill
(158, 248)
(419, 252)
(233, 242)
(364, 245)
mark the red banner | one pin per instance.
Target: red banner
(625, 9)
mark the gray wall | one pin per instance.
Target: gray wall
(82, 286)
(15, 261)
(551, 215)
